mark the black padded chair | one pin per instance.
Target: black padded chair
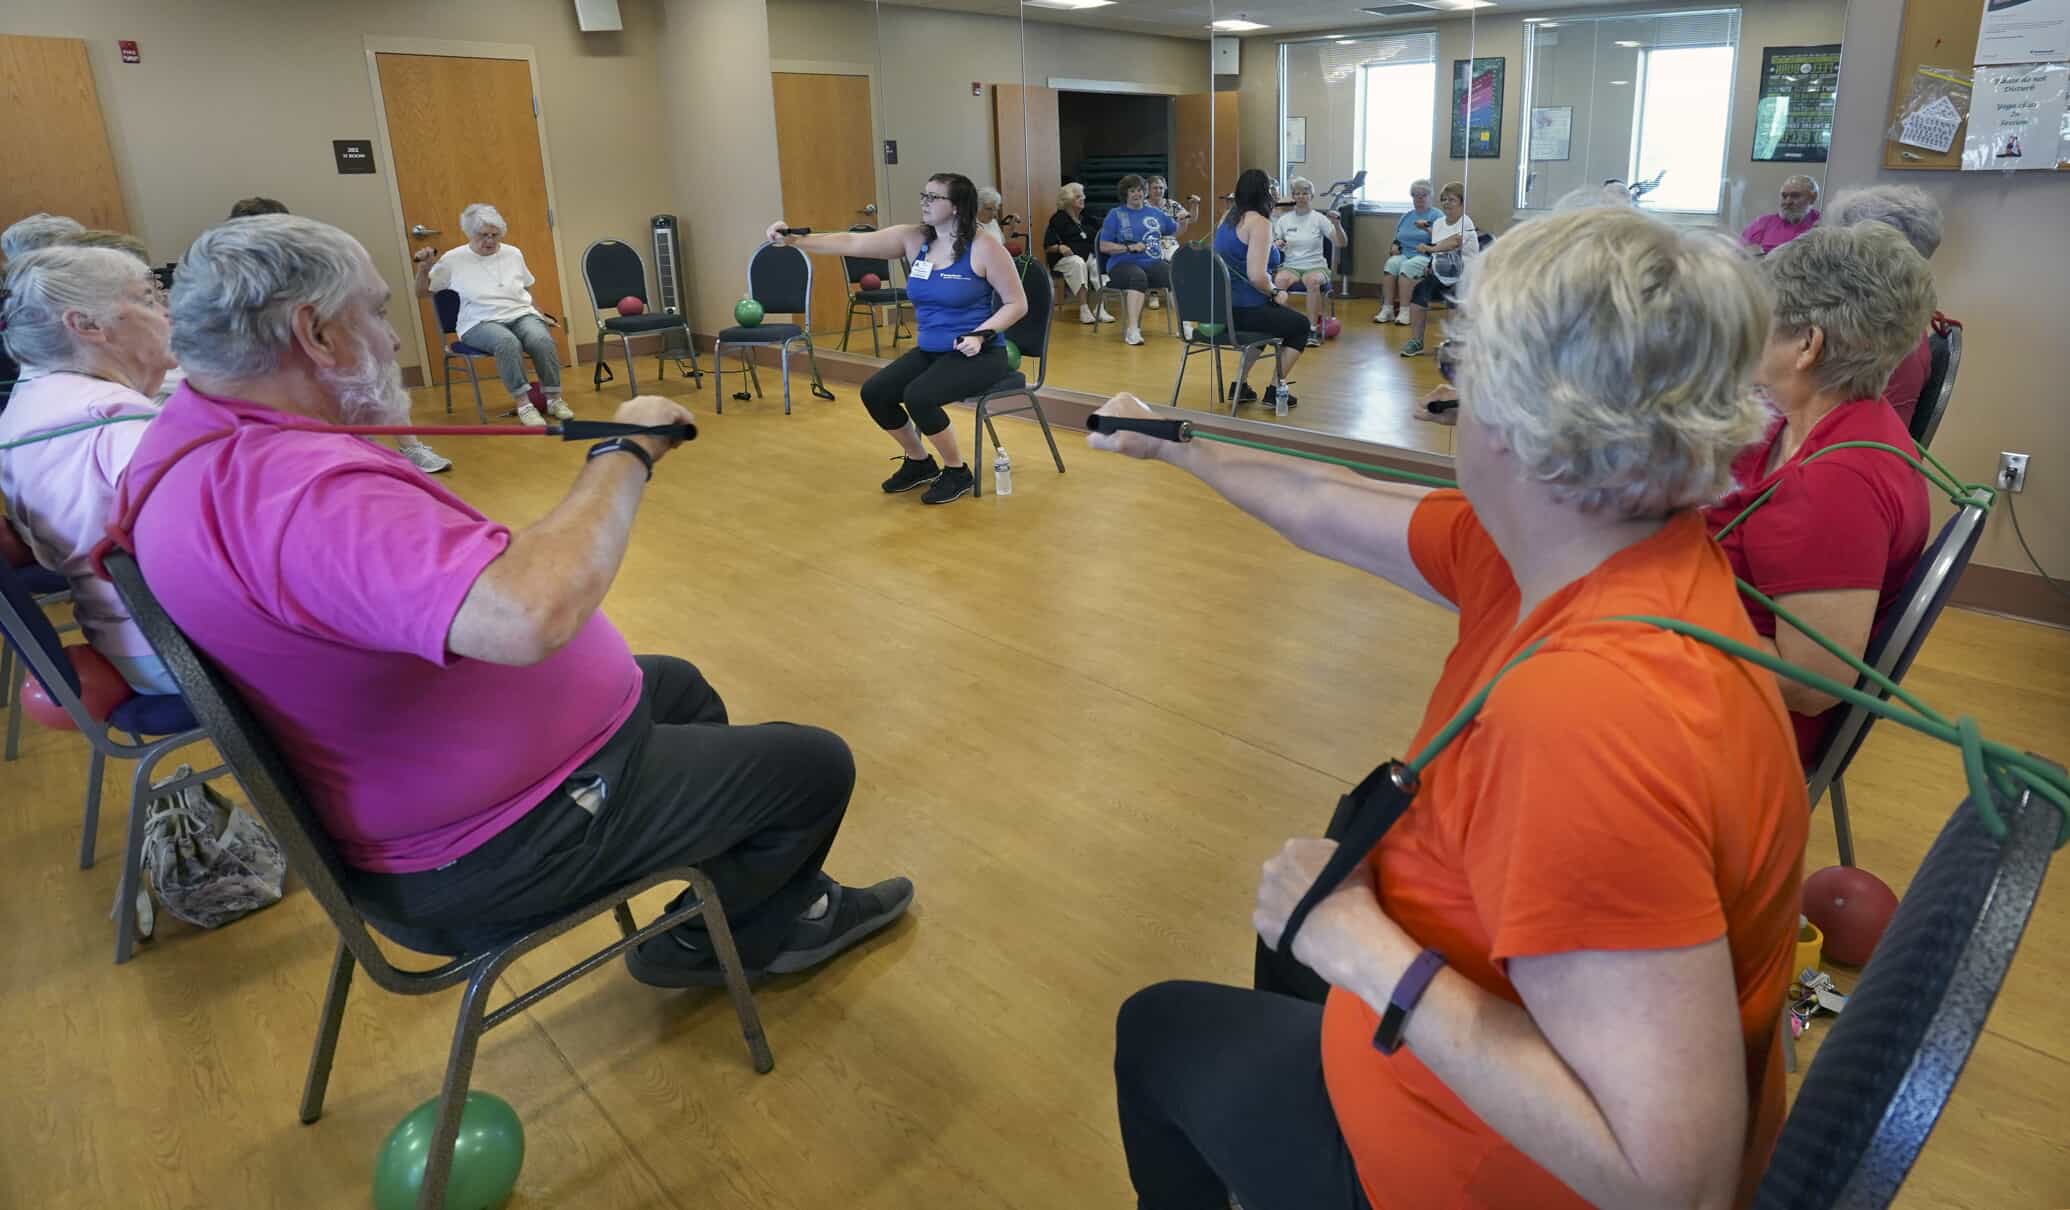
(1031, 335)
(271, 787)
(34, 640)
(780, 278)
(1201, 287)
(1946, 344)
(453, 349)
(869, 302)
(1890, 1062)
(611, 271)
(1891, 651)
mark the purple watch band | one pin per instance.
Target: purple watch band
(1414, 981)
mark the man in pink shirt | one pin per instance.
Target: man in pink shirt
(1796, 212)
(482, 748)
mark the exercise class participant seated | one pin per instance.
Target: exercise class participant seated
(478, 742)
(93, 319)
(1243, 239)
(1836, 542)
(1300, 233)
(1917, 217)
(965, 294)
(1132, 243)
(496, 311)
(1068, 243)
(1406, 266)
(1453, 241)
(1796, 211)
(1588, 910)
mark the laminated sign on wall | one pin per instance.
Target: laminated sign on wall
(2016, 118)
(2024, 31)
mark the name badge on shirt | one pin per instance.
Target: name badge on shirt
(920, 271)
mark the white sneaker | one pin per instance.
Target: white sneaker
(1156, 304)
(1401, 319)
(557, 409)
(530, 415)
(1085, 315)
(1386, 315)
(426, 459)
(1134, 336)
(1105, 317)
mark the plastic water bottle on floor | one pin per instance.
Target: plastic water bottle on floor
(1002, 472)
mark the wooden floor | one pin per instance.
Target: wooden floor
(1082, 715)
(1357, 385)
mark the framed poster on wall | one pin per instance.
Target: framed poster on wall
(1477, 108)
(1295, 140)
(1552, 132)
(1793, 121)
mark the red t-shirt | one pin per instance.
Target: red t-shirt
(1902, 391)
(1852, 519)
(1623, 789)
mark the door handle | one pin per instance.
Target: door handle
(420, 231)
(870, 209)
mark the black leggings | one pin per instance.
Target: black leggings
(1430, 290)
(1273, 320)
(925, 382)
(1157, 275)
(1221, 1091)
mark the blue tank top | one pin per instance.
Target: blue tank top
(1237, 255)
(951, 300)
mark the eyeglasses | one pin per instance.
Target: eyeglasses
(1449, 353)
(933, 197)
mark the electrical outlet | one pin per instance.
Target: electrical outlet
(2012, 472)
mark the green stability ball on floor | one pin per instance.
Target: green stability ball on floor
(1013, 356)
(486, 1156)
(747, 313)
(1208, 330)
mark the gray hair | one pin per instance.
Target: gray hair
(479, 217)
(37, 231)
(46, 285)
(1865, 288)
(1421, 182)
(1612, 355)
(1807, 181)
(237, 290)
(1908, 208)
(989, 196)
(1300, 184)
(1066, 193)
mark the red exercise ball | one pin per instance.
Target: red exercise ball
(1851, 907)
(13, 551)
(1014, 246)
(1331, 327)
(101, 689)
(871, 281)
(631, 305)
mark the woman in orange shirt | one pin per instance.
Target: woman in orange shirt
(1584, 920)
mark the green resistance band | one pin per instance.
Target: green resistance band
(68, 430)
(1991, 768)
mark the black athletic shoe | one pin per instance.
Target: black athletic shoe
(911, 474)
(853, 913)
(1269, 393)
(955, 483)
(1241, 392)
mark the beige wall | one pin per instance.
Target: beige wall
(2001, 273)
(236, 97)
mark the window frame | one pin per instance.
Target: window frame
(1361, 203)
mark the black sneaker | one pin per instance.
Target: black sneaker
(911, 474)
(1241, 392)
(1271, 392)
(1315, 340)
(954, 483)
(853, 913)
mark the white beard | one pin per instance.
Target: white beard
(369, 393)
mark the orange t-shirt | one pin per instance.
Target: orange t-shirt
(1625, 788)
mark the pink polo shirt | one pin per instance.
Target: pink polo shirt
(322, 572)
(59, 491)
(1772, 231)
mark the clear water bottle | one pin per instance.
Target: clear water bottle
(1002, 472)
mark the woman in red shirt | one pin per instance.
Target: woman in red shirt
(1625, 818)
(1836, 542)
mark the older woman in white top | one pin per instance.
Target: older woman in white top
(94, 320)
(1300, 233)
(992, 219)
(496, 311)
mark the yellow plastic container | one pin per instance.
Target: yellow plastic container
(1809, 942)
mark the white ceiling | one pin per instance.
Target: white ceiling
(1189, 18)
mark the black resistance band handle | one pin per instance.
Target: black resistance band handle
(1163, 430)
(592, 430)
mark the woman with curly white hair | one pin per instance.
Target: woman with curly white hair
(1626, 810)
(992, 218)
(1916, 216)
(496, 311)
(1068, 243)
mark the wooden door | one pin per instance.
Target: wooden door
(824, 146)
(465, 131)
(1030, 168)
(1206, 151)
(54, 152)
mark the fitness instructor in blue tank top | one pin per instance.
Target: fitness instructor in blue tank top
(1243, 240)
(965, 294)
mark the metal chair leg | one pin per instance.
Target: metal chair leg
(452, 1096)
(977, 445)
(327, 1027)
(876, 341)
(132, 861)
(1843, 831)
(17, 673)
(623, 914)
(783, 357)
(1048, 436)
(92, 825)
(1179, 382)
(481, 412)
(719, 377)
(848, 324)
(632, 384)
(721, 933)
(445, 372)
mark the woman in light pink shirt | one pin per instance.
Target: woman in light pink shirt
(94, 321)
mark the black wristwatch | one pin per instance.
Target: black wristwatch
(613, 445)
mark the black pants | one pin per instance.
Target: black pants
(755, 807)
(1429, 290)
(1273, 320)
(925, 382)
(1157, 275)
(1221, 1091)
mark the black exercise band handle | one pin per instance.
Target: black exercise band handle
(1368, 812)
(1163, 430)
(594, 430)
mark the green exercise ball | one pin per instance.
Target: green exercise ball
(747, 313)
(1210, 331)
(1013, 356)
(486, 1156)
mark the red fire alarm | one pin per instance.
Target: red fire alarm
(976, 89)
(130, 53)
